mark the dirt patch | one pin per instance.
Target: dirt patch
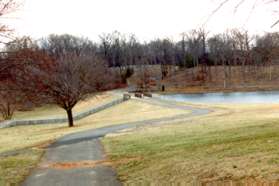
(44, 144)
(73, 165)
(84, 164)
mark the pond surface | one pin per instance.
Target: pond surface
(235, 97)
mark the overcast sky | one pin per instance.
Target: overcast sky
(147, 19)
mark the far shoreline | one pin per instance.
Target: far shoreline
(204, 89)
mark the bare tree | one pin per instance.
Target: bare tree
(242, 45)
(162, 52)
(7, 7)
(7, 101)
(221, 50)
(68, 80)
(196, 46)
(238, 4)
(144, 78)
(15, 54)
(267, 48)
(58, 46)
(71, 82)
(62, 72)
(11, 99)
(121, 52)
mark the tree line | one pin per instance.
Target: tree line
(61, 70)
(64, 69)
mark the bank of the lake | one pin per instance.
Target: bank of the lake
(214, 89)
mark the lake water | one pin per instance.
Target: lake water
(236, 97)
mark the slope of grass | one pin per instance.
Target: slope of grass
(48, 111)
(20, 147)
(130, 111)
(236, 143)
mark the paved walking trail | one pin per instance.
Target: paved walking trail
(75, 159)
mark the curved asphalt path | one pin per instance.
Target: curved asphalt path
(85, 146)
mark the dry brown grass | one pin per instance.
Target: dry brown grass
(48, 111)
(234, 143)
(130, 111)
(21, 147)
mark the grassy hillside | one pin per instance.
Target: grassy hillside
(21, 147)
(48, 111)
(235, 143)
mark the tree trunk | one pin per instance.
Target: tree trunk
(270, 72)
(225, 74)
(70, 118)
(209, 73)
(243, 71)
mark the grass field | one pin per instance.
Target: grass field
(233, 143)
(21, 147)
(237, 142)
(55, 111)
